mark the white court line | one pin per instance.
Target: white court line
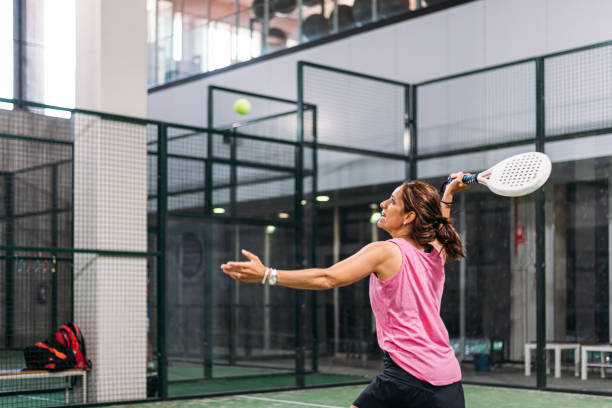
(39, 398)
(308, 404)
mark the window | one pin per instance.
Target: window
(59, 58)
(6, 53)
(48, 46)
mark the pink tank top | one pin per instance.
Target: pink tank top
(408, 322)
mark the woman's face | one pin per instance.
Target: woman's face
(393, 216)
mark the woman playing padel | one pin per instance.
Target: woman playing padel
(406, 285)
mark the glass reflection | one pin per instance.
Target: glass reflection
(188, 37)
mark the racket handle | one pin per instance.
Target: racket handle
(466, 179)
(470, 179)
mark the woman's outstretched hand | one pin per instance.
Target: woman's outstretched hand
(251, 271)
(457, 184)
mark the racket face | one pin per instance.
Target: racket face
(518, 175)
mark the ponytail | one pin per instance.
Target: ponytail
(450, 240)
(430, 224)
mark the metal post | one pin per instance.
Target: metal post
(156, 44)
(374, 6)
(335, 25)
(300, 19)
(336, 291)
(234, 304)
(413, 132)
(264, 27)
(72, 234)
(19, 23)
(54, 244)
(162, 206)
(313, 244)
(9, 272)
(208, 277)
(462, 276)
(233, 311)
(609, 257)
(266, 295)
(298, 238)
(540, 234)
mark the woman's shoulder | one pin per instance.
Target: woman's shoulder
(388, 247)
(391, 257)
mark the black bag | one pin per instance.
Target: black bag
(46, 355)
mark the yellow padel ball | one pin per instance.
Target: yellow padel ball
(242, 106)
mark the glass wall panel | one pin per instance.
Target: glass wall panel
(578, 259)
(252, 343)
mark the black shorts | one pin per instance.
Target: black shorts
(395, 388)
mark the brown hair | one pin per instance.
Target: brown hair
(429, 223)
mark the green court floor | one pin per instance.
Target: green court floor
(341, 397)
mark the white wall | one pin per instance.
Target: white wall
(471, 36)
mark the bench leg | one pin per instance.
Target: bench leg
(557, 362)
(576, 361)
(67, 390)
(84, 376)
(603, 360)
(583, 362)
(527, 361)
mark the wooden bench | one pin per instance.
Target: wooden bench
(28, 374)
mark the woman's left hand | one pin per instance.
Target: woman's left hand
(457, 184)
(251, 271)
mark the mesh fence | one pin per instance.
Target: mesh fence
(72, 223)
(485, 108)
(578, 91)
(355, 110)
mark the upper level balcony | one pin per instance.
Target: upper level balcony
(188, 37)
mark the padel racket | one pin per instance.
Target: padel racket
(515, 176)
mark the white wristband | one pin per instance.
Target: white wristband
(273, 277)
(266, 273)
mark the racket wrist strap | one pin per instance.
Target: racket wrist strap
(266, 274)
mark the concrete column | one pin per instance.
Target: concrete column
(523, 292)
(550, 262)
(110, 196)
(560, 265)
